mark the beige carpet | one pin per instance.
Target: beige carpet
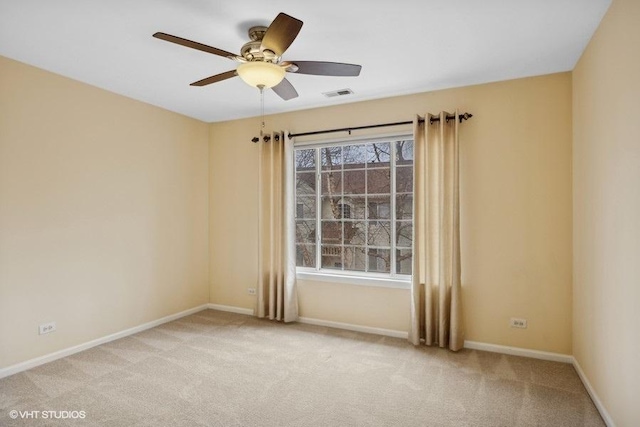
(222, 369)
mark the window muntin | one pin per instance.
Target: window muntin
(354, 207)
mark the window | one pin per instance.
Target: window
(354, 207)
(344, 210)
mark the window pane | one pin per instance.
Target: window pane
(305, 231)
(404, 179)
(354, 182)
(355, 232)
(378, 181)
(332, 232)
(305, 160)
(332, 257)
(378, 155)
(306, 255)
(404, 261)
(332, 183)
(354, 258)
(354, 156)
(379, 233)
(305, 207)
(331, 158)
(379, 260)
(331, 207)
(404, 233)
(404, 206)
(357, 206)
(342, 207)
(306, 183)
(379, 207)
(404, 152)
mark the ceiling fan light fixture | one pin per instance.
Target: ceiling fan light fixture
(261, 74)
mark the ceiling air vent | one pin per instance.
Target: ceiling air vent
(339, 92)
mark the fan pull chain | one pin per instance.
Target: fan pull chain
(261, 110)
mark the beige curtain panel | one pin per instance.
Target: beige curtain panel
(277, 297)
(436, 312)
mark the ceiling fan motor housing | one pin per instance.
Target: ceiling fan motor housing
(251, 51)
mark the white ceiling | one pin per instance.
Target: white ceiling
(404, 46)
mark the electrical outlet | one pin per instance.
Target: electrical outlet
(518, 323)
(46, 328)
(252, 291)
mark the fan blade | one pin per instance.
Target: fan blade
(285, 90)
(281, 33)
(216, 78)
(194, 45)
(318, 68)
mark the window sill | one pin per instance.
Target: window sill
(379, 282)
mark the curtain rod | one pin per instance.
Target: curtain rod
(465, 116)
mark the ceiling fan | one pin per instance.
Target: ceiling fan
(261, 63)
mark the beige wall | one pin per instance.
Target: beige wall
(103, 212)
(606, 221)
(516, 211)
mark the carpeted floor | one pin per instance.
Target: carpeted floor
(222, 369)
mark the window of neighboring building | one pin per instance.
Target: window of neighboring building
(344, 210)
(354, 207)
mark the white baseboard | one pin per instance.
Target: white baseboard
(517, 351)
(555, 357)
(596, 400)
(32, 363)
(355, 328)
(474, 345)
(231, 309)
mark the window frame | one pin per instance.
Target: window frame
(317, 273)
